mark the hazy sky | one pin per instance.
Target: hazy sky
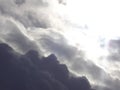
(84, 34)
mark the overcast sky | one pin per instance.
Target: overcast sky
(84, 34)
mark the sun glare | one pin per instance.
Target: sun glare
(85, 42)
(100, 26)
(92, 40)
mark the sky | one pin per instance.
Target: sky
(83, 34)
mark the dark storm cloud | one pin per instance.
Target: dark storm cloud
(29, 72)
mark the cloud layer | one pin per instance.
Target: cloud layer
(38, 25)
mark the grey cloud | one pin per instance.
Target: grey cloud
(59, 47)
(27, 14)
(91, 70)
(88, 67)
(41, 3)
(116, 73)
(19, 2)
(28, 19)
(114, 57)
(114, 50)
(103, 80)
(62, 2)
(114, 84)
(55, 43)
(11, 34)
(102, 88)
(35, 22)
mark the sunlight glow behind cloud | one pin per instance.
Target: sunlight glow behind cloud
(77, 31)
(102, 19)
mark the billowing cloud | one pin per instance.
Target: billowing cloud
(29, 72)
(37, 25)
(13, 35)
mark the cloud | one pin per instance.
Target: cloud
(62, 2)
(54, 42)
(58, 46)
(12, 34)
(23, 72)
(20, 2)
(114, 50)
(27, 17)
(35, 24)
(31, 13)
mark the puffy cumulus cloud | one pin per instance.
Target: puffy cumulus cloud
(29, 72)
